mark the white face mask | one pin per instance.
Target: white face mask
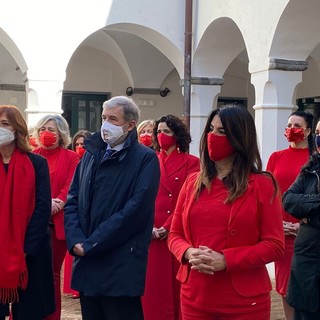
(6, 136)
(112, 134)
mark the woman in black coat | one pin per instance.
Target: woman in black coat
(302, 200)
(26, 277)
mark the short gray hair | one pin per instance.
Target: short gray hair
(62, 126)
(130, 110)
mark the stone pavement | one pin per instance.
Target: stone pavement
(71, 308)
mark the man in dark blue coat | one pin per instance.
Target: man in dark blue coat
(109, 216)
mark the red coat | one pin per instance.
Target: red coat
(255, 235)
(60, 182)
(161, 299)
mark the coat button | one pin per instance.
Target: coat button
(170, 195)
(168, 211)
(233, 232)
(176, 178)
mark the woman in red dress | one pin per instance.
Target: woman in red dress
(285, 165)
(227, 225)
(161, 300)
(52, 132)
(78, 146)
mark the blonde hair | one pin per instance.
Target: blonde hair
(62, 126)
(143, 124)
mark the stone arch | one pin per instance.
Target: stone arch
(156, 39)
(297, 34)
(13, 50)
(220, 44)
(127, 44)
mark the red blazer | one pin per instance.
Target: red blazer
(255, 235)
(65, 168)
(172, 177)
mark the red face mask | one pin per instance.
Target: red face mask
(294, 134)
(219, 147)
(33, 142)
(47, 138)
(80, 151)
(165, 141)
(146, 139)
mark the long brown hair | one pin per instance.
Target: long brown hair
(240, 130)
(19, 125)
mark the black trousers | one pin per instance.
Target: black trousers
(4, 311)
(304, 315)
(111, 308)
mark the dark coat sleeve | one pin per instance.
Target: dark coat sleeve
(38, 226)
(301, 199)
(73, 230)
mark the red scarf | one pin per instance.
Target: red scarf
(17, 202)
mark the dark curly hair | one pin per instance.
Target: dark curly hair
(180, 132)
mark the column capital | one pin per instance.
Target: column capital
(287, 65)
(204, 81)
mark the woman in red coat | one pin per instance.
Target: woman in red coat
(52, 132)
(78, 146)
(285, 165)
(161, 299)
(227, 225)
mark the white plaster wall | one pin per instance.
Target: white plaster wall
(171, 104)
(92, 70)
(258, 16)
(16, 98)
(237, 83)
(309, 87)
(165, 17)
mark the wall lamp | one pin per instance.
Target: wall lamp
(129, 91)
(163, 93)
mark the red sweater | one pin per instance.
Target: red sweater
(285, 165)
(62, 165)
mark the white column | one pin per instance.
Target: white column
(203, 100)
(43, 97)
(275, 101)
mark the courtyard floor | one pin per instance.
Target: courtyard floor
(71, 308)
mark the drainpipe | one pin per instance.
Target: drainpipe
(187, 62)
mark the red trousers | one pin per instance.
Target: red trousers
(260, 311)
(59, 250)
(67, 275)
